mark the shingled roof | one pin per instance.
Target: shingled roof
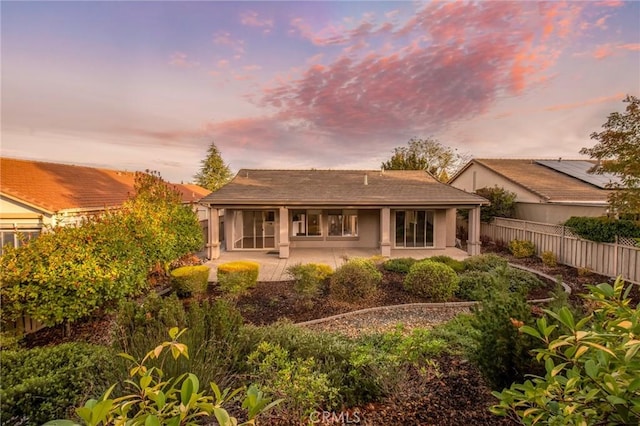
(52, 187)
(547, 183)
(339, 188)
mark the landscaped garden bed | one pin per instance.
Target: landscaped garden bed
(390, 366)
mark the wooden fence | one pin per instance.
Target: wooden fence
(620, 258)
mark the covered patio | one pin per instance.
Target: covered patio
(273, 268)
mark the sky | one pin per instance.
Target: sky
(308, 84)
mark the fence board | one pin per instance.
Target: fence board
(621, 258)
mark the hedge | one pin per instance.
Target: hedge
(603, 229)
(235, 278)
(188, 280)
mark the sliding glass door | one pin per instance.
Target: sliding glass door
(414, 228)
(254, 229)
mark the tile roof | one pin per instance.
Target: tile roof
(338, 187)
(549, 184)
(53, 186)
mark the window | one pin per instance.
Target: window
(414, 228)
(306, 223)
(343, 223)
(15, 238)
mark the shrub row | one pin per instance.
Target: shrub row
(603, 229)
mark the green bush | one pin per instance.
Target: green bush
(520, 280)
(400, 264)
(358, 378)
(296, 380)
(308, 278)
(236, 278)
(434, 280)
(484, 262)
(603, 229)
(457, 265)
(355, 280)
(42, 384)
(501, 352)
(592, 369)
(474, 285)
(549, 259)
(213, 334)
(522, 248)
(67, 273)
(159, 399)
(188, 280)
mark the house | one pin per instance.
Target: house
(281, 210)
(34, 194)
(548, 191)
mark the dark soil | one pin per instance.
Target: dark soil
(269, 302)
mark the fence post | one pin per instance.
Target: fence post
(615, 256)
(562, 237)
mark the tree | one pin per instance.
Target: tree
(426, 154)
(503, 203)
(214, 173)
(618, 152)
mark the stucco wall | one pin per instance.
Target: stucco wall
(555, 213)
(368, 233)
(476, 177)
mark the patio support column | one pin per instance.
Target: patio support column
(385, 232)
(451, 227)
(214, 234)
(473, 241)
(284, 233)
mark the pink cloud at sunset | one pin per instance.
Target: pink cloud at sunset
(311, 84)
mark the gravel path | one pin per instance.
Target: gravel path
(384, 319)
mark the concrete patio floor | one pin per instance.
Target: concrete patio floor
(272, 268)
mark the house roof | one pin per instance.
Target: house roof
(52, 187)
(339, 188)
(548, 183)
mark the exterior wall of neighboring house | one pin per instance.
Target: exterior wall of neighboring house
(556, 213)
(477, 176)
(18, 220)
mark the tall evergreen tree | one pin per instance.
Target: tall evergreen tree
(214, 173)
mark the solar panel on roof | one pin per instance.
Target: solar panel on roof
(579, 169)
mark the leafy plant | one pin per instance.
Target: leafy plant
(484, 262)
(399, 264)
(592, 370)
(188, 280)
(434, 280)
(474, 285)
(213, 336)
(456, 265)
(160, 400)
(308, 278)
(41, 384)
(522, 248)
(549, 258)
(296, 380)
(356, 279)
(501, 352)
(236, 278)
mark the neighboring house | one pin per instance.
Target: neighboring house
(280, 210)
(34, 194)
(549, 191)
